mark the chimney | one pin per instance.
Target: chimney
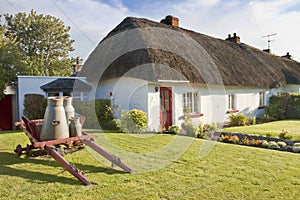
(170, 20)
(267, 50)
(77, 66)
(288, 56)
(236, 39)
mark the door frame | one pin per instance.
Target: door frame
(166, 117)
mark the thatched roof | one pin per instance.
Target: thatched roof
(66, 85)
(218, 61)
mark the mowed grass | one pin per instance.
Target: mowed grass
(293, 127)
(227, 172)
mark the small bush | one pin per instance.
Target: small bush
(273, 145)
(264, 144)
(96, 112)
(230, 139)
(200, 130)
(276, 108)
(285, 135)
(133, 121)
(281, 144)
(251, 120)
(190, 129)
(296, 149)
(269, 134)
(173, 129)
(34, 106)
(238, 119)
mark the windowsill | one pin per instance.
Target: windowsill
(231, 111)
(193, 115)
(261, 107)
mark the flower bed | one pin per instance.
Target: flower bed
(259, 141)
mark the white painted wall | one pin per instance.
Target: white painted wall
(127, 93)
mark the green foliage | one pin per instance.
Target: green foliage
(133, 121)
(276, 108)
(265, 144)
(273, 145)
(281, 144)
(34, 106)
(269, 134)
(11, 60)
(251, 120)
(293, 107)
(45, 41)
(230, 139)
(238, 119)
(205, 130)
(284, 134)
(296, 147)
(173, 129)
(97, 112)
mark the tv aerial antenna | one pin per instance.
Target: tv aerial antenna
(269, 40)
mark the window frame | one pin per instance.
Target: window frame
(262, 99)
(231, 105)
(191, 99)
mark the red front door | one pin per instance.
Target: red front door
(165, 107)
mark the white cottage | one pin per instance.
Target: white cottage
(164, 70)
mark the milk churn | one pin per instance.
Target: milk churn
(75, 127)
(69, 109)
(55, 124)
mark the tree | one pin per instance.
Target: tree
(11, 60)
(45, 41)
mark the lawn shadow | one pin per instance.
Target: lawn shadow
(7, 160)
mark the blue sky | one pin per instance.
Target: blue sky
(91, 20)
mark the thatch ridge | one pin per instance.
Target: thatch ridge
(238, 64)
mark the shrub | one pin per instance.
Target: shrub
(264, 144)
(190, 129)
(238, 119)
(200, 130)
(296, 147)
(251, 120)
(97, 112)
(133, 121)
(34, 106)
(269, 134)
(230, 139)
(174, 129)
(281, 144)
(285, 135)
(273, 145)
(276, 108)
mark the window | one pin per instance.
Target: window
(262, 98)
(67, 94)
(231, 105)
(76, 95)
(191, 102)
(52, 94)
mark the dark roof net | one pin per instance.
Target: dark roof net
(66, 85)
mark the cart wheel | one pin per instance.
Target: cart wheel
(27, 150)
(19, 150)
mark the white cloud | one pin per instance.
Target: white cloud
(89, 20)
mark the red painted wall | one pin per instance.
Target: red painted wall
(6, 122)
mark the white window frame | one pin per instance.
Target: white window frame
(191, 99)
(231, 102)
(262, 98)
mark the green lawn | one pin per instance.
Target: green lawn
(293, 127)
(227, 172)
